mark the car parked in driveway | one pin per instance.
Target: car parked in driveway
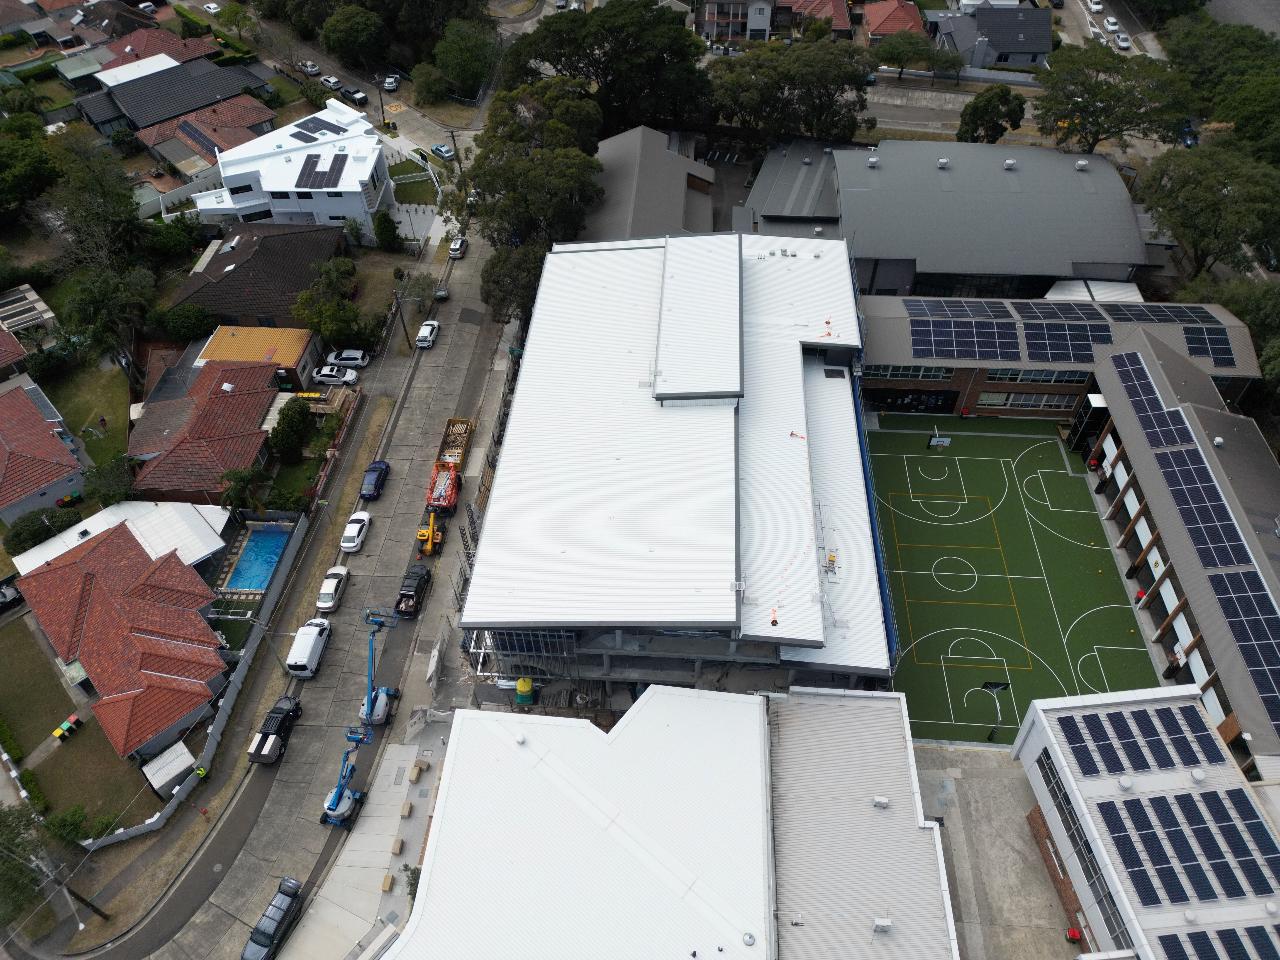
(331, 83)
(337, 376)
(347, 358)
(375, 478)
(391, 83)
(332, 588)
(212, 9)
(443, 151)
(309, 68)
(276, 921)
(355, 531)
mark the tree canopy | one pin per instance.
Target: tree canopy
(466, 54)
(109, 482)
(429, 84)
(235, 16)
(1217, 58)
(354, 35)
(904, 49)
(18, 883)
(509, 280)
(1094, 93)
(34, 528)
(292, 430)
(550, 113)
(991, 114)
(1253, 110)
(26, 171)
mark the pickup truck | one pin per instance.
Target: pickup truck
(268, 744)
(413, 590)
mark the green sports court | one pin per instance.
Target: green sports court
(1004, 587)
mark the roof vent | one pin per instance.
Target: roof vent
(880, 803)
(818, 231)
(749, 939)
(81, 534)
(1271, 907)
(1197, 775)
(228, 387)
(873, 161)
(1217, 441)
(882, 925)
(129, 49)
(1189, 916)
(1126, 784)
(1082, 164)
(1010, 164)
(230, 245)
(806, 161)
(942, 163)
(520, 739)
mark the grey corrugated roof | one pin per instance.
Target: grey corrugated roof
(1016, 29)
(840, 860)
(188, 86)
(1042, 218)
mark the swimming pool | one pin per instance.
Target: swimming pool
(258, 559)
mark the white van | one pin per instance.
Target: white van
(308, 647)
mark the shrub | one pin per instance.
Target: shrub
(68, 824)
(37, 71)
(385, 234)
(283, 500)
(46, 366)
(292, 430)
(39, 802)
(38, 526)
(187, 322)
(102, 825)
(9, 743)
(11, 40)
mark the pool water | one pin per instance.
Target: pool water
(258, 559)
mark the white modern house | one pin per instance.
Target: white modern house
(325, 168)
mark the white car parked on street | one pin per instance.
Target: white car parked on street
(356, 530)
(1111, 25)
(331, 590)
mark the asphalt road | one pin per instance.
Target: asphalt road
(1263, 14)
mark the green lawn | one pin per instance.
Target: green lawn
(1003, 584)
(86, 770)
(32, 700)
(931, 4)
(57, 92)
(289, 91)
(404, 167)
(419, 191)
(236, 631)
(296, 478)
(86, 395)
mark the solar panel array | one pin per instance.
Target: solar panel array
(1158, 313)
(1058, 310)
(1139, 740)
(958, 309)
(1254, 623)
(1211, 342)
(319, 125)
(1200, 945)
(1163, 428)
(304, 137)
(311, 177)
(1199, 500)
(1064, 342)
(199, 137)
(965, 339)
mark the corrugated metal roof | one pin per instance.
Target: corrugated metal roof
(699, 349)
(551, 839)
(283, 346)
(840, 861)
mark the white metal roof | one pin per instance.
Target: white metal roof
(169, 767)
(840, 860)
(194, 530)
(1110, 291)
(699, 348)
(551, 839)
(136, 69)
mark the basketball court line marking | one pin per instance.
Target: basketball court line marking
(1045, 487)
(971, 572)
(1000, 576)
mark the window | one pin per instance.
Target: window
(373, 179)
(260, 215)
(337, 218)
(760, 11)
(1002, 58)
(339, 195)
(304, 195)
(888, 372)
(1009, 375)
(1084, 853)
(279, 194)
(1028, 401)
(243, 188)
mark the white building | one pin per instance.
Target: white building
(1171, 852)
(325, 168)
(704, 825)
(680, 493)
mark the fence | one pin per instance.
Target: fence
(231, 693)
(210, 179)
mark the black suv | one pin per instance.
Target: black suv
(354, 96)
(281, 914)
(413, 590)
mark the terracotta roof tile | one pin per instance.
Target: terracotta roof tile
(31, 456)
(837, 10)
(11, 351)
(152, 41)
(227, 124)
(892, 16)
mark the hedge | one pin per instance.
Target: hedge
(37, 71)
(9, 744)
(39, 802)
(11, 40)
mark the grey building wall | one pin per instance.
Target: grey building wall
(44, 497)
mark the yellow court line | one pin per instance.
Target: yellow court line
(965, 603)
(995, 527)
(965, 666)
(950, 546)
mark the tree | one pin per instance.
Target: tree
(34, 528)
(109, 482)
(1155, 13)
(1251, 110)
(509, 281)
(549, 113)
(537, 197)
(187, 322)
(239, 488)
(336, 278)
(385, 233)
(93, 203)
(106, 305)
(638, 58)
(904, 49)
(354, 35)
(466, 55)
(308, 17)
(235, 16)
(313, 93)
(945, 62)
(355, 232)
(18, 883)
(1211, 200)
(273, 10)
(429, 84)
(991, 114)
(1094, 93)
(24, 99)
(808, 89)
(326, 307)
(292, 430)
(815, 29)
(1256, 302)
(26, 171)
(1217, 58)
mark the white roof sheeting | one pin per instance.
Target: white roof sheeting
(1110, 291)
(699, 351)
(551, 839)
(194, 530)
(136, 69)
(840, 861)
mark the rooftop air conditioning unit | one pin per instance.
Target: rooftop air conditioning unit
(942, 163)
(882, 925)
(873, 161)
(817, 230)
(806, 161)
(880, 803)
(1010, 164)
(1082, 164)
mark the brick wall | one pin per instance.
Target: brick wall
(1061, 883)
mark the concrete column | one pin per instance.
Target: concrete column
(1155, 586)
(607, 663)
(1115, 457)
(1133, 522)
(1168, 621)
(1142, 557)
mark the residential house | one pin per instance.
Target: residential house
(1017, 36)
(253, 276)
(192, 142)
(887, 17)
(80, 71)
(187, 443)
(13, 15)
(650, 189)
(38, 458)
(141, 44)
(727, 21)
(294, 351)
(327, 168)
(13, 356)
(132, 623)
(148, 92)
(794, 13)
(75, 23)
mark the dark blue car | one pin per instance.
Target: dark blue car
(375, 478)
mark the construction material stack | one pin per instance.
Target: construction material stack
(446, 482)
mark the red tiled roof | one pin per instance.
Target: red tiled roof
(11, 351)
(133, 623)
(892, 16)
(221, 432)
(48, 6)
(837, 10)
(31, 456)
(226, 124)
(152, 41)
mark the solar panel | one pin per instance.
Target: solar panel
(1209, 846)
(1257, 829)
(1102, 743)
(1208, 520)
(1058, 310)
(1111, 817)
(1163, 428)
(1063, 342)
(1202, 946)
(1155, 743)
(1233, 945)
(304, 137)
(1128, 742)
(958, 309)
(1075, 740)
(1174, 891)
(1204, 739)
(965, 339)
(1158, 313)
(1176, 837)
(1145, 889)
(1128, 851)
(1173, 948)
(317, 124)
(1177, 737)
(199, 137)
(311, 177)
(1211, 342)
(1251, 615)
(1262, 943)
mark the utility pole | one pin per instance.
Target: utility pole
(457, 154)
(377, 82)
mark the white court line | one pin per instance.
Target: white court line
(1088, 546)
(1045, 487)
(1001, 576)
(1105, 606)
(903, 651)
(990, 649)
(1027, 493)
